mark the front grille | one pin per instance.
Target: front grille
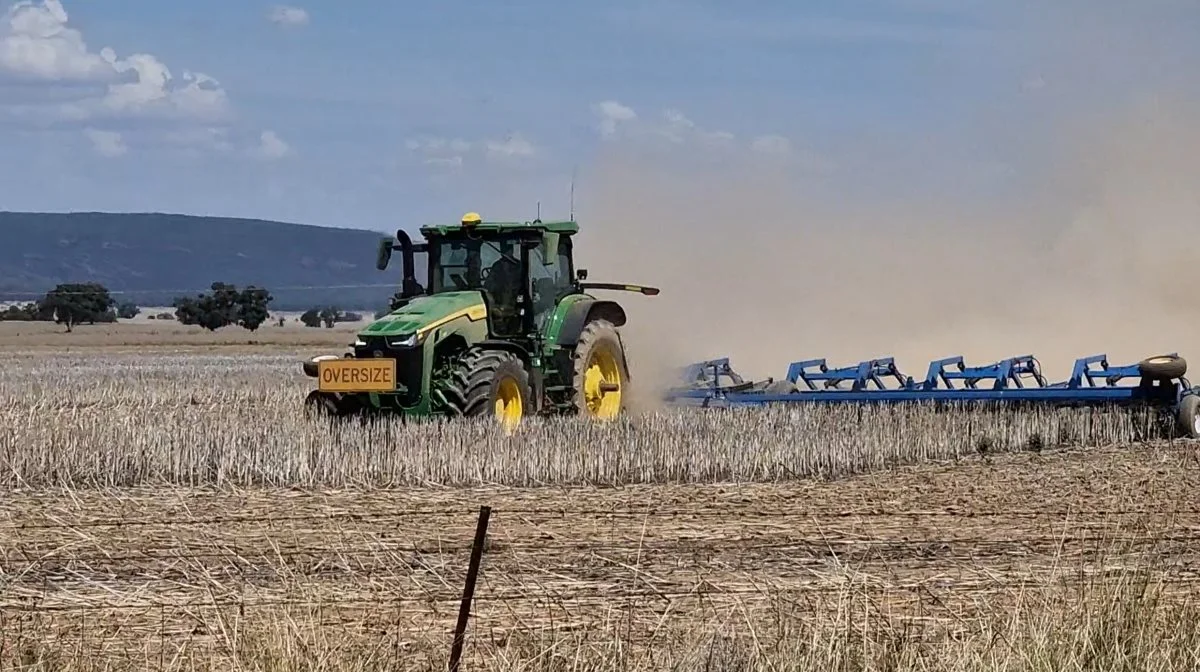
(408, 365)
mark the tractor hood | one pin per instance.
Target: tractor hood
(425, 313)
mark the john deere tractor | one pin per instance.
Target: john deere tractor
(503, 326)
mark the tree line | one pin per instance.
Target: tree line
(72, 304)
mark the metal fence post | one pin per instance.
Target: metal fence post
(464, 609)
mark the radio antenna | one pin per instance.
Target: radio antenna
(539, 211)
(573, 170)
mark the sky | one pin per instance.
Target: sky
(379, 114)
(918, 178)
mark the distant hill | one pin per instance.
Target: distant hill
(153, 258)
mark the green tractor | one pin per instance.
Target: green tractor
(504, 327)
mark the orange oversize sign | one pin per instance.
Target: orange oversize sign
(357, 375)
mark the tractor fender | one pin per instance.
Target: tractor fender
(582, 312)
(507, 346)
(624, 357)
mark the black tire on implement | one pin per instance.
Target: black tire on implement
(1188, 416)
(781, 387)
(1163, 367)
(472, 388)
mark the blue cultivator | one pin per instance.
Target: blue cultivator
(1160, 382)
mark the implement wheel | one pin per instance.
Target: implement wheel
(489, 382)
(1163, 367)
(600, 374)
(1189, 416)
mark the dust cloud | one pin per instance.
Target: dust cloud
(756, 264)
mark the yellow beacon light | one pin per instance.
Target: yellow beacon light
(471, 219)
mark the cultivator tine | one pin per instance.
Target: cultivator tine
(1093, 382)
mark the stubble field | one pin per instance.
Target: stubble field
(166, 506)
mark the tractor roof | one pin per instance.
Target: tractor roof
(563, 226)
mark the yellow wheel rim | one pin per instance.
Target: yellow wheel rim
(509, 405)
(602, 385)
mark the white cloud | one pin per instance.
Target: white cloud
(439, 151)
(106, 143)
(675, 131)
(196, 141)
(284, 15)
(455, 152)
(271, 146)
(611, 114)
(514, 146)
(672, 125)
(1034, 83)
(680, 129)
(154, 92)
(719, 23)
(771, 144)
(73, 82)
(37, 43)
(780, 147)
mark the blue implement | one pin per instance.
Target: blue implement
(1158, 381)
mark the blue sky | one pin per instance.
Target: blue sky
(375, 114)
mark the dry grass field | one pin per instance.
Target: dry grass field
(166, 506)
(43, 337)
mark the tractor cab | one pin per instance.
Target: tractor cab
(522, 269)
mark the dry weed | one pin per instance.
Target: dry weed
(1133, 623)
(104, 421)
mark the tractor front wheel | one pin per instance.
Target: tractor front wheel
(600, 374)
(320, 404)
(489, 382)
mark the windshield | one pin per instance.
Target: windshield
(460, 264)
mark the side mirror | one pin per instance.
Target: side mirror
(384, 254)
(581, 274)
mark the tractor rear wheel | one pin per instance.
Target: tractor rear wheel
(487, 382)
(600, 374)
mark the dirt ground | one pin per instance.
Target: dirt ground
(140, 575)
(934, 544)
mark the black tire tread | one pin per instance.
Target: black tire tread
(1175, 368)
(467, 391)
(781, 387)
(594, 332)
(1189, 407)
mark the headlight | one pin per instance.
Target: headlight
(405, 342)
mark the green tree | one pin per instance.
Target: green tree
(330, 316)
(311, 317)
(252, 307)
(225, 305)
(78, 302)
(32, 311)
(128, 310)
